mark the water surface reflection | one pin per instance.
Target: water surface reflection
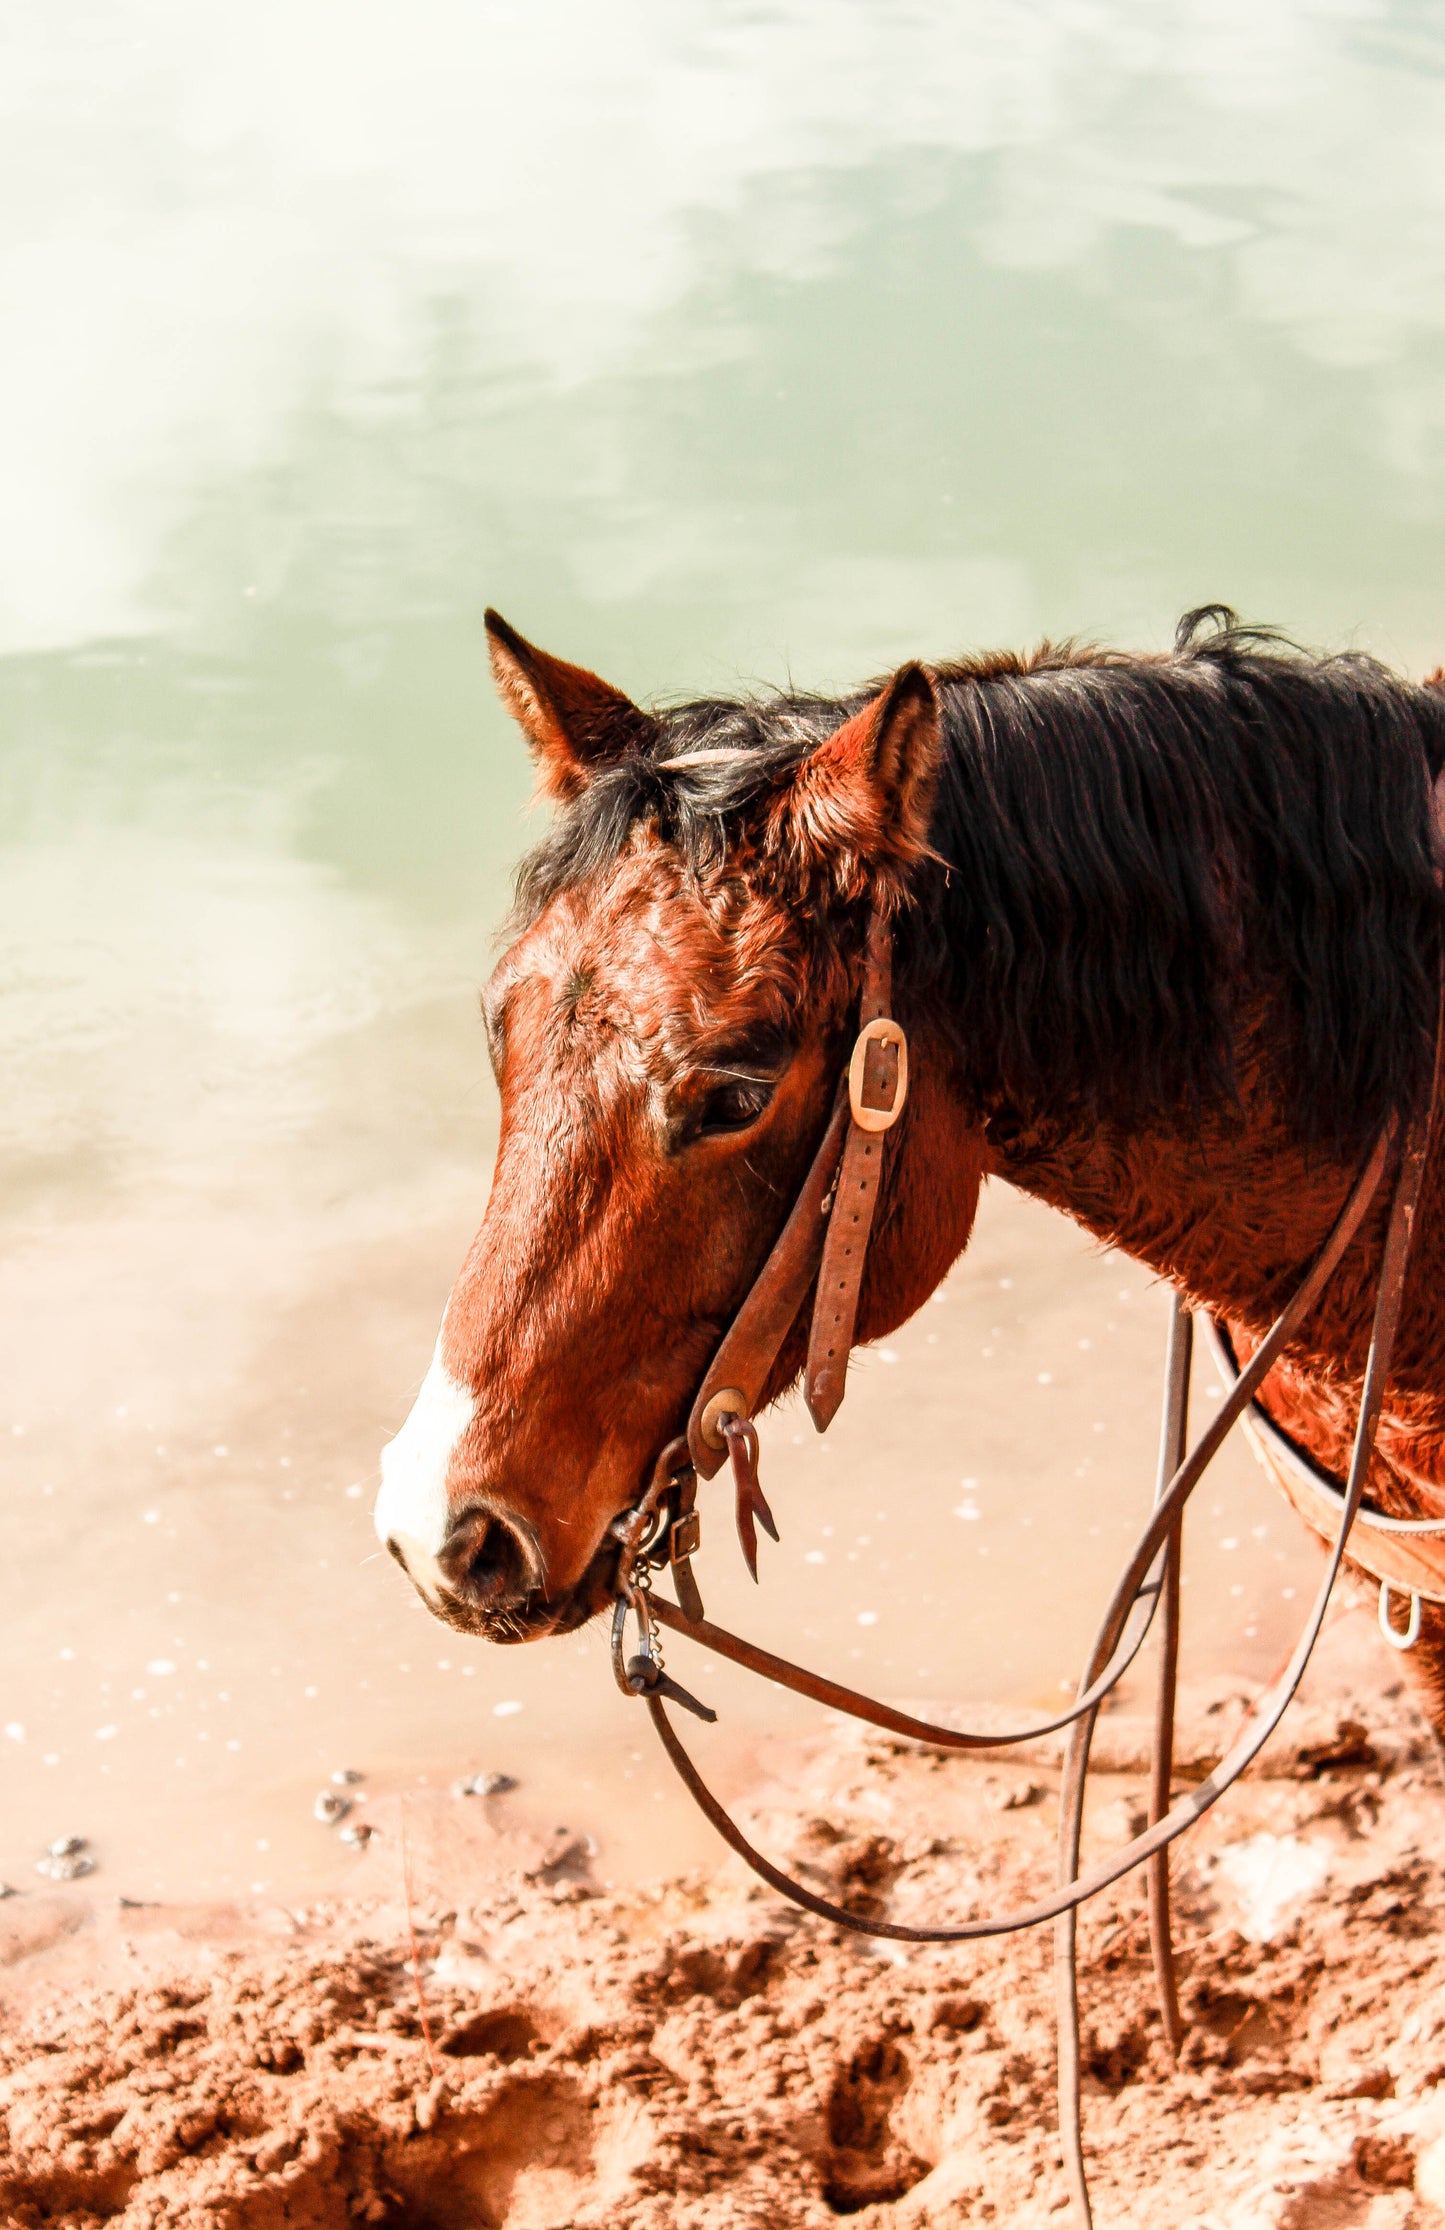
(715, 344)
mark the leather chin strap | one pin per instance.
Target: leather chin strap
(825, 1238)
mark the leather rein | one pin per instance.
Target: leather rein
(825, 1239)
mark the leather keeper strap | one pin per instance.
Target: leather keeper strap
(845, 1250)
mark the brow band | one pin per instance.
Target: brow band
(711, 758)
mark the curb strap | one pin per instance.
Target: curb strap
(684, 1539)
(664, 1528)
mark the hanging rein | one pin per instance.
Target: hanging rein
(825, 1239)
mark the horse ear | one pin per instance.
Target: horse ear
(861, 801)
(574, 721)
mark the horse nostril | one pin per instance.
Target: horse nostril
(485, 1560)
(485, 1568)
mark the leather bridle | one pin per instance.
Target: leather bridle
(825, 1239)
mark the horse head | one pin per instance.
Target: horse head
(667, 1030)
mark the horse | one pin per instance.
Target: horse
(1167, 934)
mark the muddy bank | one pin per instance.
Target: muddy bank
(463, 2050)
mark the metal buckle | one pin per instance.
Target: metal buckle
(686, 1537)
(883, 1030)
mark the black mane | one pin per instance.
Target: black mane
(1138, 855)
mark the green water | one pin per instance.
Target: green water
(714, 344)
(711, 343)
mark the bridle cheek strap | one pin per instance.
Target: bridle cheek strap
(833, 1215)
(877, 1087)
(737, 1376)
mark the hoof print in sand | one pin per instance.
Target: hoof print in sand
(507, 2033)
(868, 2161)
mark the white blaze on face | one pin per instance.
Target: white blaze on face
(411, 1509)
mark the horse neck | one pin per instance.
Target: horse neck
(1075, 952)
(1233, 1212)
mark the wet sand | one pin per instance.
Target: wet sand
(489, 2039)
(200, 1630)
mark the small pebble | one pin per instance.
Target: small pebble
(485, 1784)
(65, 1846)
(1122, 1820)
(955, 2015)
(1017, 1798)
(346, 1777)
(65, 1869)
(358, 1834)
(274, 2151)
(7, 1891)
(1430, 2174)
(330, 1808)
(431, 2104)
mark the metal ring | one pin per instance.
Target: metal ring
(630, 1599)
(1392, 1634)
(728, 1401)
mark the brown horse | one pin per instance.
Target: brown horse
(1167, 936)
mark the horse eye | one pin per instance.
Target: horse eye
(734, 1106)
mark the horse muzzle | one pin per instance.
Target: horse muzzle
(486, 1579)
(486, 1569)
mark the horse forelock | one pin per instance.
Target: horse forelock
(1135, 855)
(734, 754)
